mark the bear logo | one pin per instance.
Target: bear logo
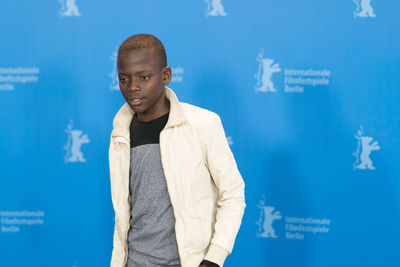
(114, 73)
(267, 217)
(363, 151)
(214, 8)
(265, 70)
(363, 9)
(69, 8)
(74, 143)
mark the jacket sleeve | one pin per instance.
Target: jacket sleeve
(118, 258)
(118, 252)
(231, 202)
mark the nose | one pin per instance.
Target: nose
(133, 87)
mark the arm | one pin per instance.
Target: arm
(119, 252)
(231, 202)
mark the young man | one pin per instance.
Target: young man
(177, 194)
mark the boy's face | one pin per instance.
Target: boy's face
(142, 80)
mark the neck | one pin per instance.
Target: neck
(159, 110)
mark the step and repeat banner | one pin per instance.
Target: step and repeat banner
(308, 93)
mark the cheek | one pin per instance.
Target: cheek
(155, 86)
(123, 91)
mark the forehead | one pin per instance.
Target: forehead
(138, 59)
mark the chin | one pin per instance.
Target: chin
(138, 109)
(135, 109)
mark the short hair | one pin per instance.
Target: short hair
(144, 40)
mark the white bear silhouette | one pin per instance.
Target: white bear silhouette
(366, 150)
(114, 74)
(364, 9)
(269, 218)
(265, 71)
(73, 147)
(215, 8)
(69, 8)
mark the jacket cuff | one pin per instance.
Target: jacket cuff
(216, 254)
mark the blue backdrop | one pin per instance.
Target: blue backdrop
(308, 92)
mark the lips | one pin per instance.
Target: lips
(136, 101)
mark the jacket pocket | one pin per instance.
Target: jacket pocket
(196, 236)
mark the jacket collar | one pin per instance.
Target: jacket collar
(123, 119)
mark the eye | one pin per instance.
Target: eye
(122, 80)
(144, 78)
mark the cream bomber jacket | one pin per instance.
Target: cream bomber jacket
(203, 181)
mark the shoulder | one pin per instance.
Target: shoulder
(198, 116)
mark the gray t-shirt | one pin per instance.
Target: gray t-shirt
(151, 237)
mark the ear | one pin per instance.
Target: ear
(166, 75)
